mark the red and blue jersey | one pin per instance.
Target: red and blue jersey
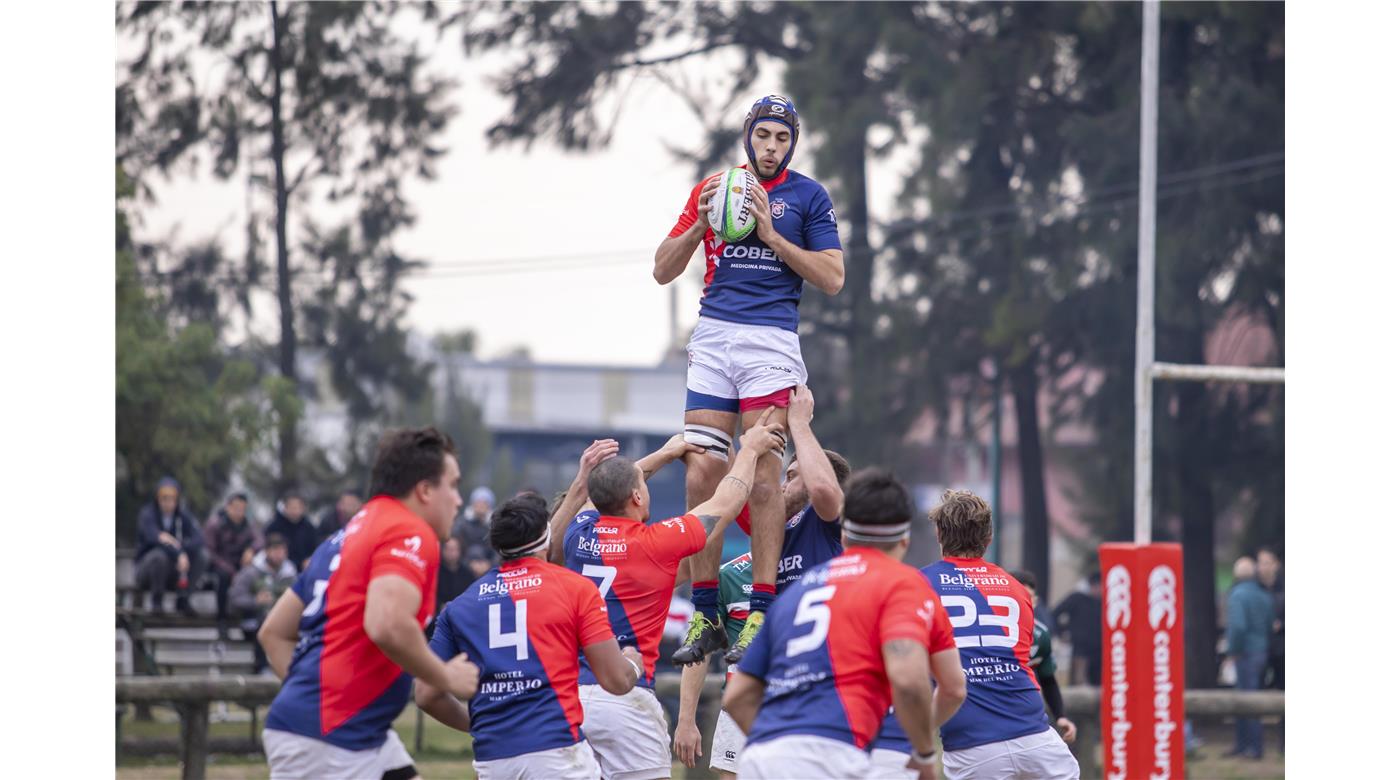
(747, 282)
(340, 687)
(524, 624)
(634, 566)
(994, 626)
(820, 648)
(808, 541)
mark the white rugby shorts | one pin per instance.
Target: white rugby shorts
(575, 762)
(1043, 756)
(628, 733)
(728, 744)
(803, 756)
(886, 764)
(733, 361)
(295, 757)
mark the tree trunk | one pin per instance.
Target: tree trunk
(287, 441)
(1193, 454)
(1035, 546)
(865, 406)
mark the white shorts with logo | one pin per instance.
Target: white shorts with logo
(886, 764)
(1043, 756)
(575, 762)
(732, 360)
(803, 756)
(728, 744)
(628, 733)
(295, 757)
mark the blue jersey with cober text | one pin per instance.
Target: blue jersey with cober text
(747, 282)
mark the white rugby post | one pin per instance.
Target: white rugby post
(1148, 369)
(1147, 275)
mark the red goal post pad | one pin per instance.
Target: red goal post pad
(1143, 709)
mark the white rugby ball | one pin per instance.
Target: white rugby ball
(731, 206)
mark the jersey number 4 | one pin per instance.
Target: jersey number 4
(812, 609)
(962, 612)
(517, 638)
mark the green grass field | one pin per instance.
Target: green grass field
(446, 753)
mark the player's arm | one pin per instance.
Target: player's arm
(948, 696)
(825, 492)
(1055, 702)
(733, 490)
(675, 448)
(444, 708)
(688, 745)
(825, 268)
(577, 496)
(907, 666)
(617, 668)
(391, 605)
(674, 253)
(742, 695)
(279, 632)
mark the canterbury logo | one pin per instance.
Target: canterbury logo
(1118, 597)
(413, 543)
(1161, 597)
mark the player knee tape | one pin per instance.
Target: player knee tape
(713, 440)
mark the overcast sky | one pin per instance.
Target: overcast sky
(597, 218)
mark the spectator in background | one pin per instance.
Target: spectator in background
(453, 575)
(231, 541)
(289, 521)
(473, 531)
(1271, 577)
(335, 518)
(1079, 616)
(169, 549)
(257, 587)
(1249, 618)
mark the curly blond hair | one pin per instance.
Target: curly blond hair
(964, 524)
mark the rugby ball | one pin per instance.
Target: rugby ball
(731, 206)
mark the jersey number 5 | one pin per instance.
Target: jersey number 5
(516, 638)
(812, 609)
(1008, 625)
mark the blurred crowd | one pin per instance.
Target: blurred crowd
(249, 562)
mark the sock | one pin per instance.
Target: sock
(762, 597)
(705, 597)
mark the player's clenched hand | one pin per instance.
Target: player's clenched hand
(677, 447)
(462, 677)
(801, 405)
(763, 437)
(687, 745)
(926, 771)
(762, 217)
(1067, 730)
(633, 655)
(702, 203)
(597, 452)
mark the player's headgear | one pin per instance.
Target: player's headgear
(877, 508)
(520, 527)
(771, 108)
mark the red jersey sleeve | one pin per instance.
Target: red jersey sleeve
(941, 632)
(908, 611)
(690, 213)
(671, 540)
(405, 551)
(593, 625)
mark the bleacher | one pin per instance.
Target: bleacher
(150, 643)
